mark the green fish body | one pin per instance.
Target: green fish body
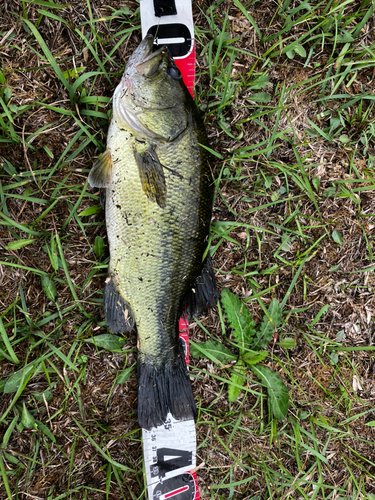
(159, 192)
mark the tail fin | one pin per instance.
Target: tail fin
(162, 389)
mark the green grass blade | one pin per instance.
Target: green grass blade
(7, 344)
(48, 55)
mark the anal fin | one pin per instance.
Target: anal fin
(103, 197)
(203, 294)
(117, 310)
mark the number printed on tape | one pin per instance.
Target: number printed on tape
(169, 455)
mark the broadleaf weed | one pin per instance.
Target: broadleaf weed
(249, 340)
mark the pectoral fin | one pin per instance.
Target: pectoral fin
(151, 173)
(101, 173)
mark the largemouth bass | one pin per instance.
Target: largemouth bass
(158, 206)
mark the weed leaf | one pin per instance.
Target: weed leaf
(49, 288)
(27, 419)
(212, 350)
(344, 138)
(99, 246)
(288, 343)
(254, 357)
(316, 183)
(239, 318)
(299, 49)
(47, 395)
(237, 377)
(107, 341)
(277, 390)
(345, 37)
(337, 238)
(17, 244)
(268, 326)
(260, 97)
(52, 254)
(125, 374)
(45, 430)
(15, 380)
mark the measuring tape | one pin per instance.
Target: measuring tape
(171, 24)
(169, 450)
(169, 456)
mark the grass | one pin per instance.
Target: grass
(287, 93)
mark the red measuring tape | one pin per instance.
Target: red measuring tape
(169, 450)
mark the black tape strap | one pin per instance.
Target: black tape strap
(165, 8)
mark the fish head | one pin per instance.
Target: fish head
(150, 93)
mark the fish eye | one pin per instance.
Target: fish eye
(174, 72)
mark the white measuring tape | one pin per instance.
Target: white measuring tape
(169, 456)
(171, 24)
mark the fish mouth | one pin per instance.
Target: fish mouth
(144, 49)
(144, 61)
(150, 62)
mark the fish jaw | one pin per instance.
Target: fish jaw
(142, 52)
(143, 62)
